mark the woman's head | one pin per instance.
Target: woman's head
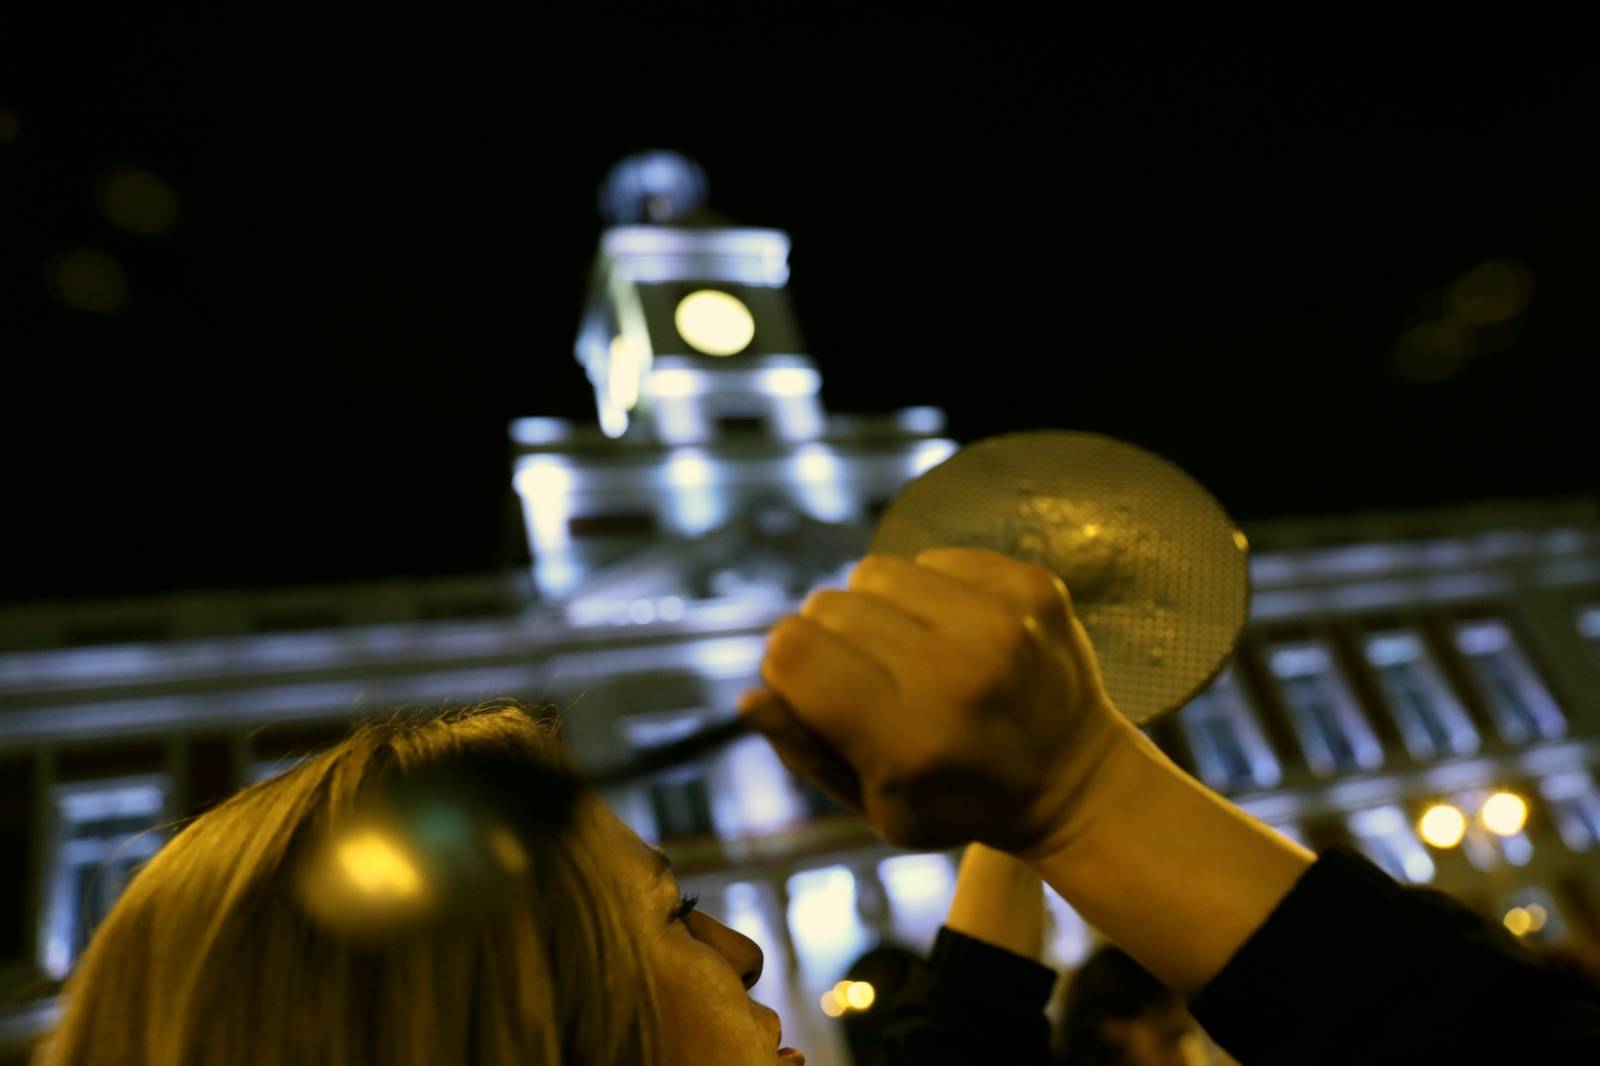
(425, 892)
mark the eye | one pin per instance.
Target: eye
(686, 904)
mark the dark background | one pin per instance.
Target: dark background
(386, 230)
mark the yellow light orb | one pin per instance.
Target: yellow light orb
(376, 868)
(832, 1005)
(1443, 826)
(1505, 813)
(1518, 921)
(714, 322)
(138, 201)
(1434, 351)
(1493, 292)
(89, 280)
(1538, 916)
(861, 995)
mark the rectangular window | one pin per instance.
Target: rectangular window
(682, 807)
(1335, 737)
(634, 524)
(106, 830)
(680, 801)
(740, 426)
(1589, 627)
(1574, 804)
(1386, 837)
(1431, 719)
(1522, 708)
(920, 888)
(1229, 749)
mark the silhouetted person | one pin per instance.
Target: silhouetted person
(1117, 1014)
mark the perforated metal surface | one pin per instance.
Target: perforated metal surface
(1157, 570)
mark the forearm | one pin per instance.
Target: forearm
(1000, 901)
(1170, 871)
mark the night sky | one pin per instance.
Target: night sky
(385, 232)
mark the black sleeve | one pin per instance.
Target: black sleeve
(972, 1003)
(1351, 967)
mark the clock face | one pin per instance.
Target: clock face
(714, 322)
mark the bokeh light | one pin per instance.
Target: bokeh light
(137, 201)
(1494, 292)
(714, 322)
(1443, 826)
(847, 996)
(376, 868)
(1537, 916)
(88, 280)
(1505, 813)
(1433, 351)
(1518, 920)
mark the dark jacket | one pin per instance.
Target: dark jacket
(1350, 967)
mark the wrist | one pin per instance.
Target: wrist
(998, 900)
(1122, 777)
(1169, 870)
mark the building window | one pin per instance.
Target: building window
(679, 800)
(1335, 737)
(1229, 750)
(1522, 708)
(633, 524)
(740, 426)
(1589, 627)
(825, 925)
(1574, 804)
(1431, 720)
(920, 888)
(106, 831)
(750, 907)
(682, 807)
(1387, 838)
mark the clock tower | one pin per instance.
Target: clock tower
(688, 335)
(711, 430)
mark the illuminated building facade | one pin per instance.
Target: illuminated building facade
(1392, 665)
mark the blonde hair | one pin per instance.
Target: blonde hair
(211, 958)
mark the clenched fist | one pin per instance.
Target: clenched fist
(951, 699)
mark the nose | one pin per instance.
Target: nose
(742, 953)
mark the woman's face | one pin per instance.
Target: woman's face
(704, 970)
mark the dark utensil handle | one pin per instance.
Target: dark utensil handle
(654, 760)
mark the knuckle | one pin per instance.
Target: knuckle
(1010, 632)
(1043, 589)
(787, 641)
(820, 602)
(872, 571)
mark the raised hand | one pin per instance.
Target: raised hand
(951, 699)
